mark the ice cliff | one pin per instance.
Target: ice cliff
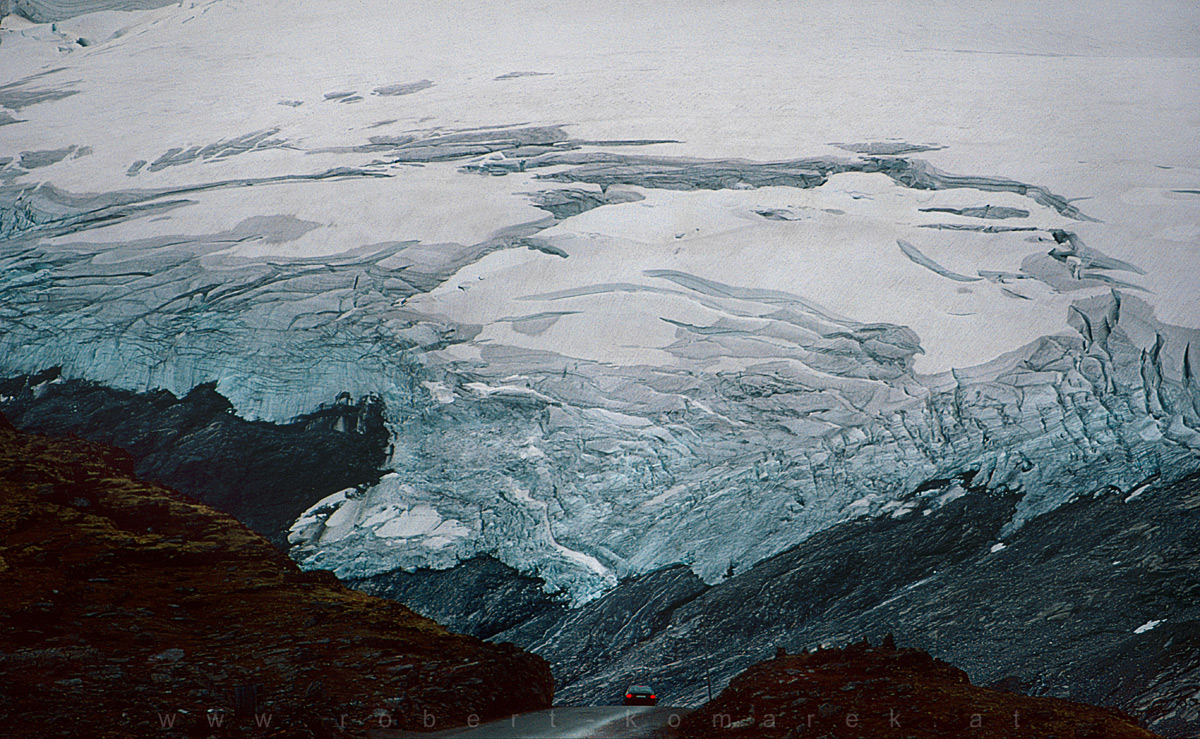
(578, 485)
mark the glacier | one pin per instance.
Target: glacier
(611, 342)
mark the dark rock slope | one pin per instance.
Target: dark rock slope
(1065, 606)
(127, 606)
(481, 597)
(262, 473)
(863, 690)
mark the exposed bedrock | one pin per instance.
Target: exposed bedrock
(265, 474)
(481, 596)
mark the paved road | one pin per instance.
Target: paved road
(591, 722)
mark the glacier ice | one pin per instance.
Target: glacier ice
(716, 423)
(44, 11)
(611, 343)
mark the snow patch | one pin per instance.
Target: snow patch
(439, 391)
(484, 390)
(1137, 491)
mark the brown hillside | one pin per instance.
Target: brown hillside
(124, 604)
(865, 692)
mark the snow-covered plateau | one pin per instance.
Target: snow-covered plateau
(639, 283)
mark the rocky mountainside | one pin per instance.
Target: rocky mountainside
(481, 597)
(264, 474)
(1095, 601)
(844, 693)
(129, 608)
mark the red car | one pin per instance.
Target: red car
(640, 695)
